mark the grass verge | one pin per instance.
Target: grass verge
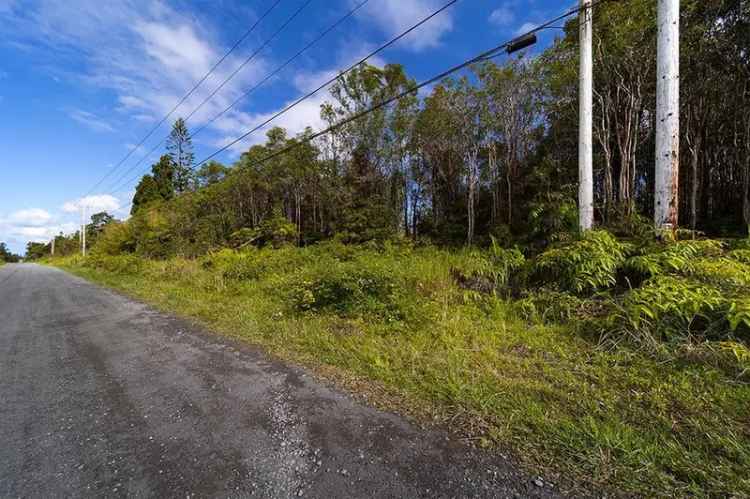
(604, 419)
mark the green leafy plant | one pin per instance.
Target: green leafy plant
(584, 266)
(670, 308)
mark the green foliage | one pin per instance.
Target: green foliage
(669, 308)
(584, 266)
(6, 256)
(116, 238)
(277, 231)
(350, 290)
(488, 271)
(672, 257)
(234, 265)
(741, 255)
(119, 264)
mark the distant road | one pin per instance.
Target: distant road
(101, 396)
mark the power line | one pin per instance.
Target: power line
(322, 86)
(187, 95)
(226, 80)
(509, 46)
(276, 71)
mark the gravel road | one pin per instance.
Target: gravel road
(102, 396)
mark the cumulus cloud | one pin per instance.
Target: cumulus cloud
(395, 16)
(32, 224)
(92, 204)
(34, 217)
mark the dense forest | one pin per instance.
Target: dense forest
(493, 153)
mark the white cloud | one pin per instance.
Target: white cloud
(525, 28)
(148, 54)
(90, 120)
(503, 15)
(32, 217)
(395, 16)
(33, 224)
(92, 204)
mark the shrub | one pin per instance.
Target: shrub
(115, 239)
(670, 308)
(233, 265)
(727, 274)
(488, 271)
(673, 257)
(740, 255)
(587, 265)
(117, 264)
(547, 305)
(349, 289)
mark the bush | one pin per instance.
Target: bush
(234, 265)
(674, 257)
(671, 308)
(584, 266)
(118, 264)
(727, 274)
(488, 271)
(349, 289)
(115, 239)
(740, 255)
(546, 305)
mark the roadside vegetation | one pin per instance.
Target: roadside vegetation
(6, 256)
(427, 255)
(615, 364)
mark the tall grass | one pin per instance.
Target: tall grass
(400, 324)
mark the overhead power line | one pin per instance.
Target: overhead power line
(226, 80)
(323, 85)
(506, 47)
(187, 95)
(509, 46)
(324, 33)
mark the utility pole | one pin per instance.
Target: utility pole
(666, 190)
(585, 125)
(52, 252)
(83, 230)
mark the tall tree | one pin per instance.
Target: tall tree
(180, 147)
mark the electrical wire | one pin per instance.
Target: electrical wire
(481, 57)
(186, 96)
(323, 85)
(226, 80)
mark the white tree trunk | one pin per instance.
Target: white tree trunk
(585, 130)
(666, 190)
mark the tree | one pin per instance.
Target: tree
(211, 173)
(180, 147)
(164, 176)
(35, 250)
(6, 255)
(146, 192)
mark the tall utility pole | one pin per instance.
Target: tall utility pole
(585, 125)
(666, 191)
(52, 252)
(83, 230)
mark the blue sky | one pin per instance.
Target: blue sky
(82, 81)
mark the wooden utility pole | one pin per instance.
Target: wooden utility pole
(666, 191)
(83, 230)
(585, 125)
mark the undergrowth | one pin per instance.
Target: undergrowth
(622, 365)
